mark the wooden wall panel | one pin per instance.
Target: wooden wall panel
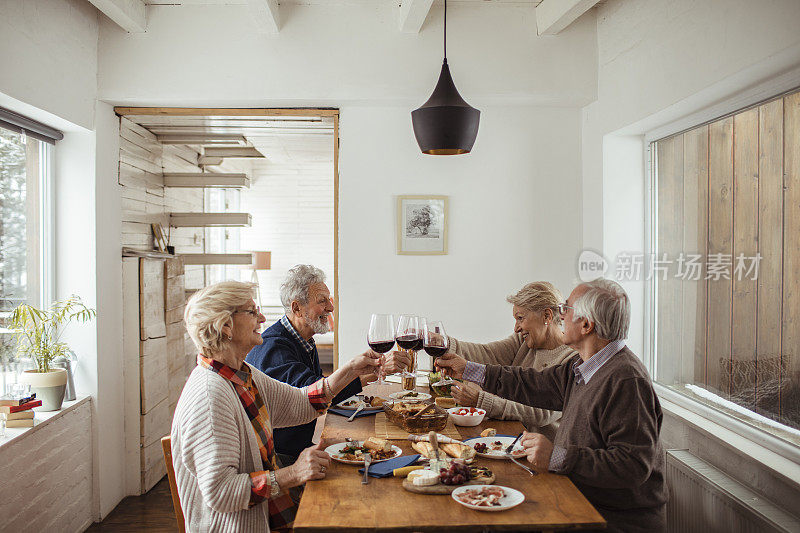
(670, 242)
(695, 241)
(720, 241)
(790, 346)
(770, 246)
(745, 234)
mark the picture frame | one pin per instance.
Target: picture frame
(422, 225)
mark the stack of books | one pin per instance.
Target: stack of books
(18, 412)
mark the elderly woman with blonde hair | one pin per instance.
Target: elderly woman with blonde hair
(227, 473)
(537, 342)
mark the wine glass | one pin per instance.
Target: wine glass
(409, 337)
(381, 336)
(436, 343)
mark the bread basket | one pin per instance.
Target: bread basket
(434, 419)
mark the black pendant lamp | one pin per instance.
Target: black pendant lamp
(445, 124)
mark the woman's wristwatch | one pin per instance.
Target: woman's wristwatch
(274, 488)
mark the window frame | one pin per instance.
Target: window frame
(759, 94)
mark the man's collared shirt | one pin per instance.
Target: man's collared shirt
(308, 345)
(585, 370)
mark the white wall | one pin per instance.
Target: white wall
(514, 218)
(515, 209)
(48, 57)
(658, 62)
(665, 65)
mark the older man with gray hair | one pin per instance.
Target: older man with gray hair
(608, 441)
(289, 354)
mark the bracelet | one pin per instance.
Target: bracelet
(274, 488)
(326, 389)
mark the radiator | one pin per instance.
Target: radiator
(705, 500)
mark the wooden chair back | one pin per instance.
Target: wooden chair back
(166, 445)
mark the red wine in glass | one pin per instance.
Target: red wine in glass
(436, 351)
(381, 336)
(436, 345)
(408, 342)
(381, 346)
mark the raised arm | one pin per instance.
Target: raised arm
(500, 352)
(544, 389)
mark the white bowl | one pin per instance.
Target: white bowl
(466, 420)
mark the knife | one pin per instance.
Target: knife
(367, 462)
(360, 408)
(511, 447)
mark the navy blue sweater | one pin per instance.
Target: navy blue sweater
(281, 357)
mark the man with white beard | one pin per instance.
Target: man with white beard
(289, 354)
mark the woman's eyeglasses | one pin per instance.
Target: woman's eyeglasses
(562, 308)
(255, 312)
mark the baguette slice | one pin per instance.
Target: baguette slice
(445, 403)
(380, 445)
(423, 448)
(489, 432)
(459, 451)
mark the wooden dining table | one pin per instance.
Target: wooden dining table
(340, 502)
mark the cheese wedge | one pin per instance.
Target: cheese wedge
(425, 478)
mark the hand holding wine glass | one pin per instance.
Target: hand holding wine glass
(381, 337)
(452, 363)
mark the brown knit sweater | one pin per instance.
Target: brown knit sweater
(610, 430)
(514, 352)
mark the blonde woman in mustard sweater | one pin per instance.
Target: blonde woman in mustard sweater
(537, 342)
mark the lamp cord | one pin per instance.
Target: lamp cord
(445, 30)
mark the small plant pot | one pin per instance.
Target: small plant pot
(48, 386)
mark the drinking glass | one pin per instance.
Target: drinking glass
(381, 336)
(409, 337)
(436, 343)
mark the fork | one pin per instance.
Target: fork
(367, 462)
(360, 408)
(514, 460)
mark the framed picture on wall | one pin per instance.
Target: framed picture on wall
(421, 225)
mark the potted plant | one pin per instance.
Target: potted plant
(37, 333)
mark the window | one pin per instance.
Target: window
(24, 241)
(725, 287)
(221, 240)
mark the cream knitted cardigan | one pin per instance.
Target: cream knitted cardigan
(214, 448)
(512, 351)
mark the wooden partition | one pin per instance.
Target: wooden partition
(729, 191)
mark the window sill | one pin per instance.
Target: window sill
(41, 419)
(773, 453)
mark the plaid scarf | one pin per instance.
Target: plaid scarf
(282, 509)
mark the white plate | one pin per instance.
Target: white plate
(494, 454)
(358, 401)
(421, 396)
(512, 498)
(333, 451)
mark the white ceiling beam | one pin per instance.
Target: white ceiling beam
(130, 15)
(266, 15)
(413, 14)
(552, 16)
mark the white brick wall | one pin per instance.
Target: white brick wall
(46, 475)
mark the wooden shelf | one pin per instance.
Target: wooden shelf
(204, 220)
(207, 180)
(217, 259)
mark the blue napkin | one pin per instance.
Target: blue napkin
(349, 412)
(384, 469)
